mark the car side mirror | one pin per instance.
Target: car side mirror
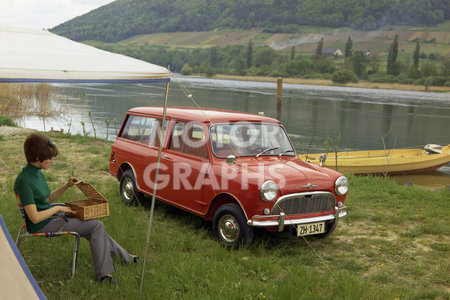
(322, 159)
(231, 159)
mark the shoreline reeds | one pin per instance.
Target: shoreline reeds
(18, 100)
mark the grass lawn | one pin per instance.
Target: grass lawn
(393, 245)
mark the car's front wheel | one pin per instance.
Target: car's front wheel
(128, 190)
(230, 226)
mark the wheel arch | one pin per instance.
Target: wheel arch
(218, 201)
(123, 168)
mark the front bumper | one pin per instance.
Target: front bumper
(282, 220)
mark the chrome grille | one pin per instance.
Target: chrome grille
(304, 203)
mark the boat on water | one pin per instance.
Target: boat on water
(394, 161)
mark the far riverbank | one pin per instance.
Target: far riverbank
(360, 84)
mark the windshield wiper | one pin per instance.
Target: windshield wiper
(285, 151)
(266, 150)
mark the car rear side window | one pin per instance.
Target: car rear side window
(144, 130)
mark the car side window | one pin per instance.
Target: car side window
(144, 130)
(189, 139)
(195, 141)
(176, 141)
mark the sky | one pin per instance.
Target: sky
(41, 14)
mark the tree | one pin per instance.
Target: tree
(324, 65)
(186, 70)
(240, 66)
(359, 60)
(428, 69)
(348, 47)
(265, 56)
(298, 67)
(292, 52)
(319, 49)
(249, 54)
(213, 56)
(416, 56)
(392, 67)
(445, 67)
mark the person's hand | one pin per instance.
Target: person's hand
(66, 210)
(72, 181)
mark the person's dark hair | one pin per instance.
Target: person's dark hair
(39, 147)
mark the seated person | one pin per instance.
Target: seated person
(40, 216)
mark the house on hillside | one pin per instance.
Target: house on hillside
(331, 52)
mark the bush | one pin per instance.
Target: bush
(383, 78)
(324, 65)
(432, 81)
(5, 121)
(263, 71)
(187, 70)
(438, 80)
(344, 76)
(325, 76)
(289, 28)
(407, 81)
(390, 79)
(205, 68)
(298, 67)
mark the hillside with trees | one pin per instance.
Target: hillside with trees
(269, 37)
(413, 55)
(122, 19)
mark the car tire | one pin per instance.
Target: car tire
(128, 191)
(230, 226)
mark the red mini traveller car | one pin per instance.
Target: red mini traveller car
(237, 170)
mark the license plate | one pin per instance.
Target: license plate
(311, 228)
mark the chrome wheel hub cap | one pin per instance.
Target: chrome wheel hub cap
(128, 189)
(229, 228)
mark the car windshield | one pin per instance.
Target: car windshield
(249, 139)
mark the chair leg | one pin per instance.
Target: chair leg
(19, 237)
(75, 252)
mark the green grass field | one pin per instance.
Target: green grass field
(393, 245)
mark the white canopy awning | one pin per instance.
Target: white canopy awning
(30, 55)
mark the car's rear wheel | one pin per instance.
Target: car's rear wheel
(128, 191)
(230, 226)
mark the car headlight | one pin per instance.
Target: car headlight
(268, 190)
(341, 185)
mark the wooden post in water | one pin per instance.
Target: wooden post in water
(279, 97)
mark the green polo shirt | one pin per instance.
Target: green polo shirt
(32, 188)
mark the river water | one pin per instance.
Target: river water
(353, 118)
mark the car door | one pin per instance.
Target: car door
(185, 165)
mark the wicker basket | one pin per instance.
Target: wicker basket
(95, 206)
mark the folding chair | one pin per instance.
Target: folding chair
(24, 233)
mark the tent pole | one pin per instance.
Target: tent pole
(155, 187)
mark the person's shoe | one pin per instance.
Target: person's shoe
(135, 258)
(109, 279)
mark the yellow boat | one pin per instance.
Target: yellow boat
(395, 161)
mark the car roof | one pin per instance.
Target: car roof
(202, 114)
